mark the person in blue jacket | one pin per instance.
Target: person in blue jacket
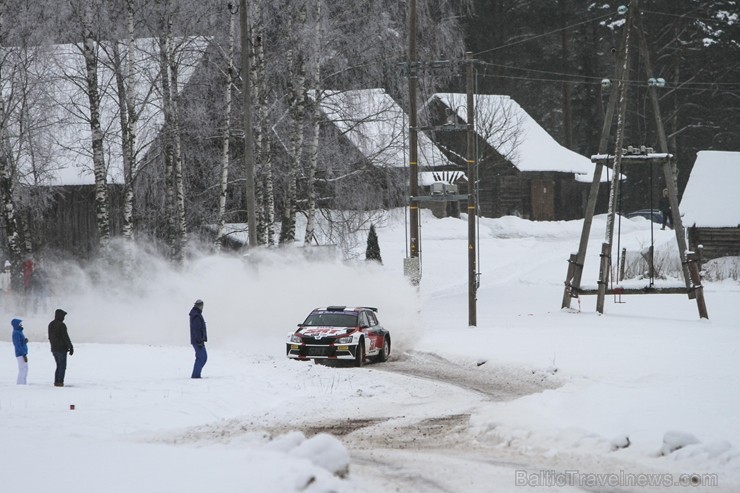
(21, 350)
(198, 337)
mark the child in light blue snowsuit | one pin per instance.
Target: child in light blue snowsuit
(21, 350)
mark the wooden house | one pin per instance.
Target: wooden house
(522, 170)
(710, 206)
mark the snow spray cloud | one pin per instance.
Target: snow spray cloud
(251, 302)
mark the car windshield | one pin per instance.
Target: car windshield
(332, 319)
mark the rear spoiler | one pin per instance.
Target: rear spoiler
(341, 308)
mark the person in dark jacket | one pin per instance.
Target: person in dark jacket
(21, 350)
(198, 337)
(664, 204)
(60, 345)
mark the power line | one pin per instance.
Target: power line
(569, 77)
(684, 16)
(571, 26)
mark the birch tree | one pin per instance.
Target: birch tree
(8, 212)
(263, 156)
(84, 10)
(315, 127)
(129, 116)
(297, 94)
(172, 146)
(229, 75)
(178, 157)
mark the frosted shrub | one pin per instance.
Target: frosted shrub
(666, 263)
(720, 269)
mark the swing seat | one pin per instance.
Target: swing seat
(620, 290)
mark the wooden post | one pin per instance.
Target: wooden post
(621, 266)
(472, 179)
(569, 291)
(414, 240)
(698, 289)
(617, 166)
(606, 258)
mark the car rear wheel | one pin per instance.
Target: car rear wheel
(385, 351)
(360, 354)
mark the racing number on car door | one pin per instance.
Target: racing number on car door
(374, 330)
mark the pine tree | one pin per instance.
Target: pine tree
(373, 248)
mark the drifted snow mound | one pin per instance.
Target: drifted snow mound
(619, 442)
(324, 451)
(675, 440)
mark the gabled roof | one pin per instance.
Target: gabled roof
(711, 197)
(517, 136)
(63, 153)
(377, 126)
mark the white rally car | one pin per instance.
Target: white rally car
(340, 333)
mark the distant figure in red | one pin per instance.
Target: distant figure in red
(27, 270)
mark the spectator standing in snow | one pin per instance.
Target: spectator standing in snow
(5, 284)
(665, 208)
(60, 345)
(198, 337)
(21, 350)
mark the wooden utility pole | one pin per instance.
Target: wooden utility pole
(413, 137)
(472, 183)
(606, 247)
(248, 139)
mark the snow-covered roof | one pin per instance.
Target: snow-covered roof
(63, 150)
(517, 136)
(376, 125)
(711, 196)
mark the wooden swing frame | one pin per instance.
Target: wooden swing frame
(689, 263)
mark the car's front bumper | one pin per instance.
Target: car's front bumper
(321, 351)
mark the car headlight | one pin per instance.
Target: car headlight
(344, 340)
(295, 338)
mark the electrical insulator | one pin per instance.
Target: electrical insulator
(606, 83)
(652, 82)
(660, 82)
(622, 10)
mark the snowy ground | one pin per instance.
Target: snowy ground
(532, 399)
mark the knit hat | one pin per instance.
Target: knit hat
(198, 302)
